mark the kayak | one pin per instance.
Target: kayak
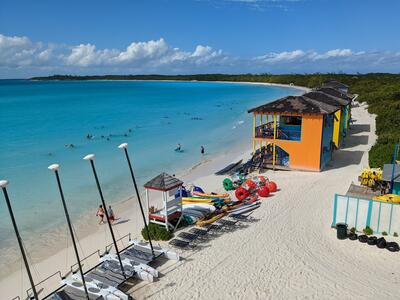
(210, 221)
(193, 213)
(391, 198)
(204, 207)
(204, 200)
(205, 195)
(245, 209)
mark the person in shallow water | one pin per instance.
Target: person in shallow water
(111, 216)
(178, 147)
(100, 214)
(202, 150)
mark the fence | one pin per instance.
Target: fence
(360, 213)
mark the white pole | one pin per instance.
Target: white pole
(166, 210)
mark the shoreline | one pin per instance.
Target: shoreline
(87, 226)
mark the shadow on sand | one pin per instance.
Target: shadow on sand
(358, 128)
(344, 158)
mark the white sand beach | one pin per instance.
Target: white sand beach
(286, 251)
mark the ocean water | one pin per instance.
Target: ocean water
(38, 120)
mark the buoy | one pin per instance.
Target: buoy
(263, 191)
(228, 184)
(249, 185)
(272, 186)
(241, 193)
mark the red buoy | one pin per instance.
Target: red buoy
(241, 193)
(263, 191)
(272, 187)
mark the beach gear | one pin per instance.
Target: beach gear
(245, 209)
(204, 207)
(228, 184)
(263, 191)
(211, 220)
(144, 247)
(198, 189)
(363, 238)
(353, 236)
(391, 198)
(392, 246)
(272, 186)
(381, 243)
(205, 195)
(241, 193)
(372, 240)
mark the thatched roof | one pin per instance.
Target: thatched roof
(326, 98)
(387, 172)
(335, 84)
(334, 92)
(296, 105)
(163, 182)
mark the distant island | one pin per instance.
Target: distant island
(380, 90)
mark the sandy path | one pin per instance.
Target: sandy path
(289, 250)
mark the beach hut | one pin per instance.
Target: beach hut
(340, 118)
(338, 94)
(171, 213)
(387, 176)
(332, 83)
(296, 131)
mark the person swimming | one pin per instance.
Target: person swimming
(178, 147)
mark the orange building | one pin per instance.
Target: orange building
(294, 132)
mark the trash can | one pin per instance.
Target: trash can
(341, 231)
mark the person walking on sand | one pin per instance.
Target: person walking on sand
(111, 216)
(202, 150)
(100, 214)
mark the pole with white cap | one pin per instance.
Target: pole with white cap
(3, 185)
(55, 168)
(124, 146)
(90, 158)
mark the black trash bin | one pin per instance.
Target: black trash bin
(341, 231)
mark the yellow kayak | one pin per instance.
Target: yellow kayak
(391, 198)
(210, 221)
(196, 200)
(204, 195)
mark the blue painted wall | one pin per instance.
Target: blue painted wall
(327, 135)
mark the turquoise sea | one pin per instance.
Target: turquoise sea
(39, 118)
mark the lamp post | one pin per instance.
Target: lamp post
(3, 185)
(90, 158)
(124, 146)
(55, 168)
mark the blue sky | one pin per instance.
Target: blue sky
(197, 36)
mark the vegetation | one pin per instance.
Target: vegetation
(395, 234)
(379, 90)
(353, 230)
(384, 233)
(157, 233)
(368, 230)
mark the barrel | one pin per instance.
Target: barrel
(341, 231)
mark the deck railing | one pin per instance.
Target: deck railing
(292, 133)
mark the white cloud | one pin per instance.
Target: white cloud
(20, 57)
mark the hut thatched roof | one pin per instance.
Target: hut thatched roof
(326, 98)
(335, 84)
(296, 105)
(334, 92)
(163, 182)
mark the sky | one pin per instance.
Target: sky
(198, 36)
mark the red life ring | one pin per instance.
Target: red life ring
(241, 193)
